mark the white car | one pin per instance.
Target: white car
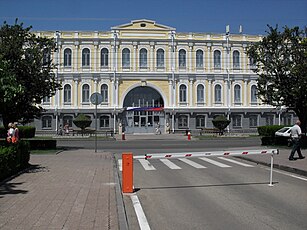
(283, 132)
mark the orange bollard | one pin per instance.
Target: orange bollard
(189, 136)
(127, 175)
(123, 136)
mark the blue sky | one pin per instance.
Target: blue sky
(184, 15)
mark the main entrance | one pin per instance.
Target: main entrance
(143, 111)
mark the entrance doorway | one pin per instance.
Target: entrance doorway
(143, 111)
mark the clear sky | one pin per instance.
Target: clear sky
(184, 15)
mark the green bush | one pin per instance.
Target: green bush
(82, 121)
(42, 144)
(13, 158)
(268, 130)
(220, 122)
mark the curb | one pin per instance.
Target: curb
(278, 166)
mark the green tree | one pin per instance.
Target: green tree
(82, 122)
(26, 73)
(221, 123)
(281, 64)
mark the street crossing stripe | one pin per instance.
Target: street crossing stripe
(235, 162)
(146, 164)
(169, 164)
(214, 162)
(120, 164)
(192, 163)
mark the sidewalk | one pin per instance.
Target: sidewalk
(72, 190)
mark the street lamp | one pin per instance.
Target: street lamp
(57, 98)
(228, 77)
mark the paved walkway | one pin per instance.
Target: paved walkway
(78, 189)
(75, 190)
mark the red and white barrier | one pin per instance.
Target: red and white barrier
(206, 154)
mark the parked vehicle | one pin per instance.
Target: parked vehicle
(283, 132)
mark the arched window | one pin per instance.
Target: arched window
(237, 94)
(218, 94)
(236, 59)
(200, 121)
(182, 58)
(182, 93)
(46, 57)
(46, 122)
(254, 94)
(160, 58)
(86, 55)
(104, 122)
(200, 94)
(199, 59)
(104, 62)
(67, 57)
(85, 93)
(143, 58)
(217, 59)
(67, 93)
(126, 58)
(104, 92)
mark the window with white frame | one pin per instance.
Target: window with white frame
(237, 94)
(252, 63)
(183, 121)
(46, 100)
(46, 57)
(236, 121)
(217, 59)
(85, 93)
(182, 58)
(104, 62)
(269, 119)
(218, 94)
(199, 59)
(182, 93)
(160, 58)
(104, 92)
(200, 93)
(200, 121)
(253, 121)
(236, 59)
(143, 58)
(46, 122)
(67, 57)
(126, 58)
(86, 56)
(67, 93)
(254, 94)
(104, 122)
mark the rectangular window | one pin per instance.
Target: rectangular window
(237, 121)
(269, 120)
(183, 122)
(253, 121)
(200, 121)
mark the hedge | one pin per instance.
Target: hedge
(36, 144)
(24, 132)
(268, 130)
(13, 158)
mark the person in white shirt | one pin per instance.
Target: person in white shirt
(296, 134)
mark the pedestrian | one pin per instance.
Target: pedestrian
(15, 137)
(66, 129)
(10, 132)
(295, 135)
(60, 130)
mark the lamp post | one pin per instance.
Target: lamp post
(57, 37)
(228, 77)
(173, 81)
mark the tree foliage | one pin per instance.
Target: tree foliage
(281, 64)
(82, 122)
(221, 123)
(26, 73)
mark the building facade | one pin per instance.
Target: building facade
(149, 74)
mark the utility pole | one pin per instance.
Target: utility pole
(173, 81)
(57, 96)
(228, 76)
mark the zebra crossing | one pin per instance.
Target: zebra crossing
(148, 165)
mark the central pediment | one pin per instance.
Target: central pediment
(143, 24)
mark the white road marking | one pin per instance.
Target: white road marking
(289, 174)
(146, 164)
(192, 163)
(120, 164)
(139, 213)
(214, 162)
(235, 162)
(169, 164)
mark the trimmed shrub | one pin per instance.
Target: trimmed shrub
(220, 122)
(268, 130)
(82, 121)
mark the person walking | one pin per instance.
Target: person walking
(295, 135)
(15, 137)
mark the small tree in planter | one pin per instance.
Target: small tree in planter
(82, 122)
(220, 122)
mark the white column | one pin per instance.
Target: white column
(190, 56)
(76, 93)
(191, 92)
(96, 56)
(76, 59)
(152, 55)
(134, 59)
(209, 57)
(209, 93)
(245, 96)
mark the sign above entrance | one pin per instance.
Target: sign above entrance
(96, 98)
(145, 108)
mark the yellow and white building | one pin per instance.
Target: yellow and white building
(150, 74)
